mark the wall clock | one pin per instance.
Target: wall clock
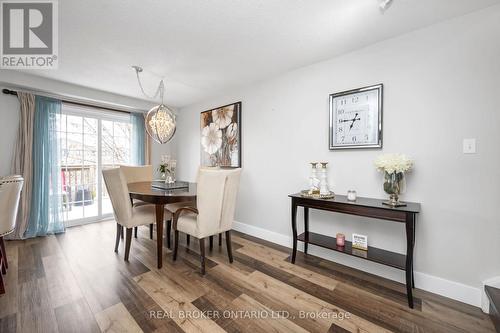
(356, 118)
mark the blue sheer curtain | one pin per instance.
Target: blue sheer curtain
(138, 144)
(46, 201)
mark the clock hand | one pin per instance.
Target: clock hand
(353, 121)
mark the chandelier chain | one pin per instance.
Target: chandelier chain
(160, 91)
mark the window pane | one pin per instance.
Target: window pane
(74, 124)
(122, 130)
(90, 126)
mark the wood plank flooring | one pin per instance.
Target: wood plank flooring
(74, 282)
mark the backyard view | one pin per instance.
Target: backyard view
(88, 145)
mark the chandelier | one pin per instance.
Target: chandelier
(160, 120)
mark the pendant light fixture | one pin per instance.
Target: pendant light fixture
(160, 120)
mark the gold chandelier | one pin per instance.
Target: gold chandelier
(160, 120)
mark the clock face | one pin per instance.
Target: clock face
(355, 119)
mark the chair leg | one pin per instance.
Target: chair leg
(228, 244)
(2, 247)
(2, 287)
(168, 231)
(202, 255)
(188, 239)
(211, 239)
(176, 243)
(220, 239)
(151, 231)
(118, 235)
(135, 232)
(128, 240)
(3, 268)
(121, 233)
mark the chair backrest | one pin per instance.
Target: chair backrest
(10, 192)
(135, 174)
(217, 191)
(118, 193)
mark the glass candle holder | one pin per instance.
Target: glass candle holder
(351, 195)
(340, 239)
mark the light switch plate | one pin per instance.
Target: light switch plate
(469, 146)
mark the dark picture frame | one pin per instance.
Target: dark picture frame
(333, 122)
(220, 136)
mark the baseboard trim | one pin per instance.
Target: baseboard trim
(447, 288)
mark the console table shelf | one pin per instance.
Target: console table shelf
(374, 254)
(366, 207)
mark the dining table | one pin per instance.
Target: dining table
(144, 191)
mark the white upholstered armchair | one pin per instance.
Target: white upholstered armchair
(10, 191)
(214, 213)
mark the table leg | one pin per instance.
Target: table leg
(294, 230)
(306, 228)
(159, 234)
(413, 246)
(169, 229)
(410, 226)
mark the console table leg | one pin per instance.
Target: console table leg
(410, 224)
(294, 230)
(413, 246)
(306, 228)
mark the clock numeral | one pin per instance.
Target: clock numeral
(366, 137)
(342, 138)
(355, 99)
(340, 111)
(354, 139)
(340, 129)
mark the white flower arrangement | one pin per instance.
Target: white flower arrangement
(391, 163)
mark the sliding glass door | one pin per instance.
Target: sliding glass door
(91, 140)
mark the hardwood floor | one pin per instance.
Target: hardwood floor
(74, 282)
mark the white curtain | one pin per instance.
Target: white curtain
(22, 161)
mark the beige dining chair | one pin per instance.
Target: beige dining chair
(135, 174)
(214, 213)
(126, 214)
(10, 192)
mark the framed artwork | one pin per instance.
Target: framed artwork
(356, 118)
(221, 136)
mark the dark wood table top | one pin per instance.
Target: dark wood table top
(145, 192)
(412, 207)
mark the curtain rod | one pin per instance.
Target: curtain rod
(75, 101)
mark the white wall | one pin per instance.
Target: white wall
(442, 84)
(9, 110)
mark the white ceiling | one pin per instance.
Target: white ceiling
(204, 47)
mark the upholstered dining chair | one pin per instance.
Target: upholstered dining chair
(126, 214)
(10, 191)
(135, 174)
(214, 213)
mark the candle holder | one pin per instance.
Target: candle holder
(351, 195)
(340, 239)
(313, 179)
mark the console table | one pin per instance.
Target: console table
(366, 207)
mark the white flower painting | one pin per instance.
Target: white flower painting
(211, 138)
(221, 137)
